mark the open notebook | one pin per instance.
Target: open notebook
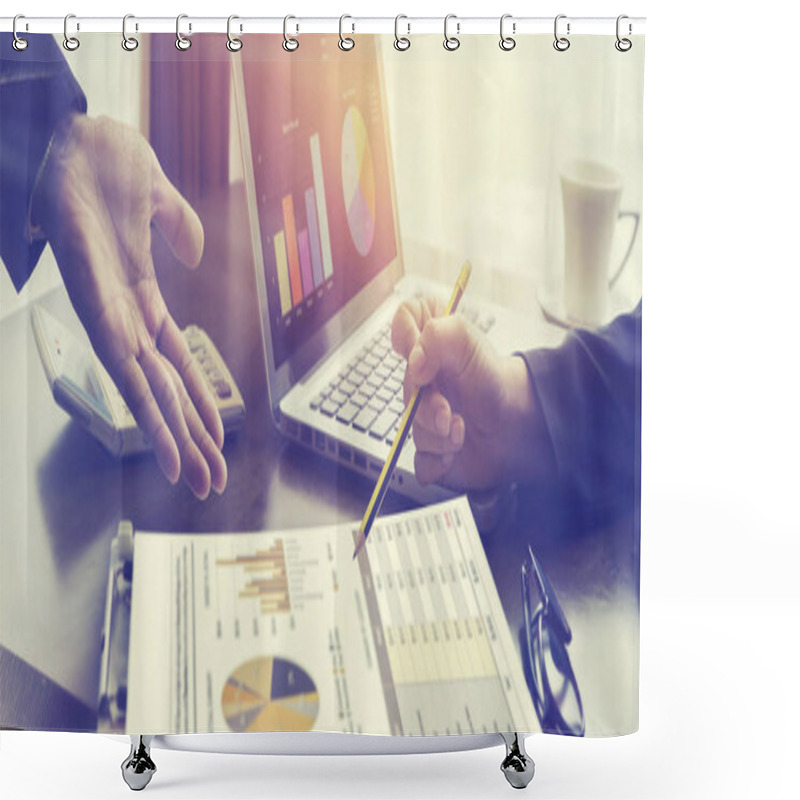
(283, 630)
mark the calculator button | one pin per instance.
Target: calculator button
(223, 389)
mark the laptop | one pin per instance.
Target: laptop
(323, 217)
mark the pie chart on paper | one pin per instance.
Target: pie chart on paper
(270, 694)
(358, 180)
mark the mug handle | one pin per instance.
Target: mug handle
(635, 215)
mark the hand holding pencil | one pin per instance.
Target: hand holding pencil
(412, 404)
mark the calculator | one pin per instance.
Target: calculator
(83, 388)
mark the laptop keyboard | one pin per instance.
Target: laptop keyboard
(367, 394)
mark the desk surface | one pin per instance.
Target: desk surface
(62, 495)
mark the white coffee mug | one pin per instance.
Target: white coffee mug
(590, 192)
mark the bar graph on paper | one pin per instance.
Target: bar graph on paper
(282, 631)
(265, 577)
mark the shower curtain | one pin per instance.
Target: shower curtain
(226, 267)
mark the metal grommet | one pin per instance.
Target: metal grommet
(290, 44)
(451, 43)
(401, 42)
(234, 44)
(129, 43)
(623, 45)
(561, 43)
(71, 43)
(506, 42)
(19, 44)
(345, 42)
(181, 42)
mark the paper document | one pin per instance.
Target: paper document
(276, 631)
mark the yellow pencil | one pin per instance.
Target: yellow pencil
(385, 477)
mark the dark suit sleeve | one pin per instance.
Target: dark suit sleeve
(589, 391)
(37, 89)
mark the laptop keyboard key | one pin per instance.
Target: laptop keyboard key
(374, 381)
(383, 424)
(338, 398)
(328, 408)
(396, 406)
(317, 402)
(393, 386)
(376, 403)
(364, 419)
(359, 399)
(347, 413)
(356, 378)
(345, 387)
(385, 395)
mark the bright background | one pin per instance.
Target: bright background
(720, 603)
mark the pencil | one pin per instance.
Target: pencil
(385, 478)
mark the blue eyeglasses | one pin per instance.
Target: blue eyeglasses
(546, 664)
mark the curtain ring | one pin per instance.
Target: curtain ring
(181, 42)
(234, 44)
(623, 45)
(561, 43)
(451, 43)
(345, 42)
(290, 44)
(71, 43)
(507, 42)
(19, 43)
(129, 43)
(401, 42)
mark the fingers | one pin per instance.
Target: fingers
(445, 343)
(430, 468)
(428, 441)
(410, 319)
(135, 388)
(195, 469)
(176, 219)
(200, 435)
(171, 343)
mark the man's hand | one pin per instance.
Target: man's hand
(471, 425)
(100, 190)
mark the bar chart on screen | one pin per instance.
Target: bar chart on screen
(303, 256)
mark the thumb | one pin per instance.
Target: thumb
(177, 220)
(446, 344)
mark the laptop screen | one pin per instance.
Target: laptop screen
(322, 180)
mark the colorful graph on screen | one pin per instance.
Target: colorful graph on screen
(270, 694)
(358, 180)
(303, 256)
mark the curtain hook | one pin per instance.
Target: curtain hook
(129, 43)
(345, 42)
(19, 43)
(234, 44)
(451, 43)
(71, 43)
(290, 44)
(507, 42)
(401, 42)
(561, 43)
(181, 42)
(623, 45)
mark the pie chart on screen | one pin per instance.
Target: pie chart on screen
(270, 694)
(358, 180)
